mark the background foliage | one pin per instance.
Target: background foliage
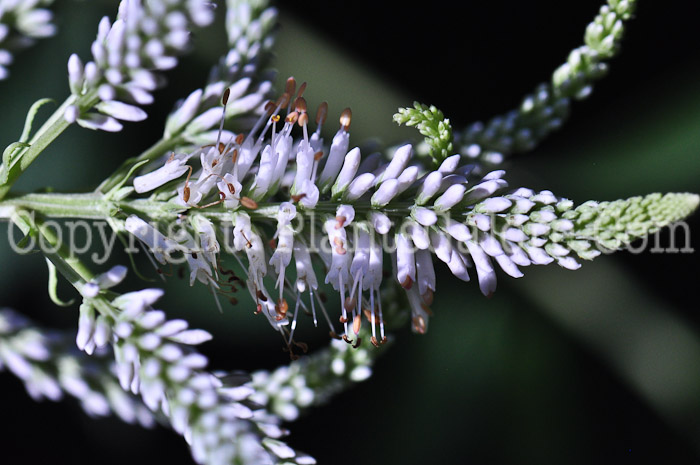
(601, 365)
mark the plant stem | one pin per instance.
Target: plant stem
(47, 133)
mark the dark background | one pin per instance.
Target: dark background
(596, 366)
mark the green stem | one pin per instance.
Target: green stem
(68, 265)
(47, 133)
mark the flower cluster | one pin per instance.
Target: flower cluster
(146, 37)
(155, 359)
(249, 26)
(21, 22)
(548, 106)
(50, 367)
(349, 211)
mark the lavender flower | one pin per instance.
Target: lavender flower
(146, 37)
(50, 367)
(21, 22)
(349, 211)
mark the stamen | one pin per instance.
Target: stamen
(345, 119)
(249, 203)
(186, 189)
(419, 324)
(318, 155)
(291, 85)
(302, 89)
(321, 115)
(298, 197)
(350, 303)
(300, 105)
(407, 283)
(428, 297)
(292, 117)
(356, 324)
(294, 320)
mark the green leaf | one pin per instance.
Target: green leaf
(53, 285)
(7, 155)
(31, 114)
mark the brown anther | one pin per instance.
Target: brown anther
(340, 250)
(322, 113)
(356, 323)
(374, 341)
(303, 119)
(419, 324)
(272, 244)
(357, 343)
(318, 155)
(231, 189)
(291, 85)
(292, 117)
(338, 242)
(239, 138)
(343, 319)
(283, 306)
(234, 155)
(384, 340)
(302, 89)
(233, 300)
(214, 163)
(347, 339)
(407, 283)
(283, 100)
(428, 297)
(368, 315)
(340, 221)
(345, 119)
(224, 99)
(222, 147)
(258, 309)
(259, 294)
(275, 118)
(186, 189)
(334, 335)
(350, 303)
(298, 197)
(300, 105)
(249, 203)
(270, 107)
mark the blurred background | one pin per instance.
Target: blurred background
(601, 365)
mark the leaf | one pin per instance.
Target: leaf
(53, 285)
(7, 159)
(31, 114)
